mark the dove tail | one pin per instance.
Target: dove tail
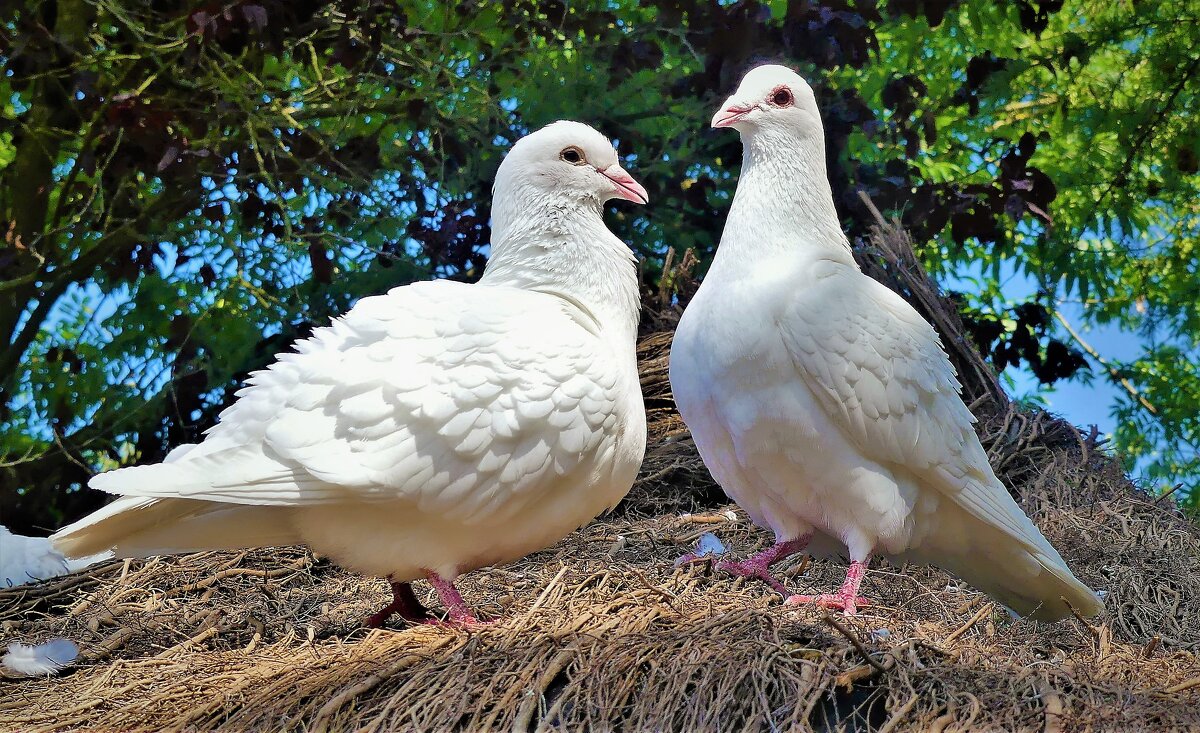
(1031, 579)
(1030, 583)
(143, 526)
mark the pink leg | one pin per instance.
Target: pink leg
(451, 599)
(404, 603)
(758, 565)
(847, 598)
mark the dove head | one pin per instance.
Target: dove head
(783, 193)
(548, 230)
(771, 99)
(567, 163)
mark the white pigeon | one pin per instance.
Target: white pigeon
(436, 429)
(31, 559)
(823, 403)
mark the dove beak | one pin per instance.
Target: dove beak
(731, 115)
(624, 185)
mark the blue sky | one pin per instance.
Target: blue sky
(1082, 404)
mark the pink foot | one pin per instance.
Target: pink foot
(846, 599)
(757, 565)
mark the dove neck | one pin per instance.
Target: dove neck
(783, 203)
(564, 249)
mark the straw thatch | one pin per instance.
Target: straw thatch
(602, 633)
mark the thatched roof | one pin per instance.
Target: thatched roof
(601, 632)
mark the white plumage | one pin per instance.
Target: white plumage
(438, 428)
(823, 403)
(41, 660)
(30, 559)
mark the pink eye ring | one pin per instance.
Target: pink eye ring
(781, 96)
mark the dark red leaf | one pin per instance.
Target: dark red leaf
(215, 212)
(197, 23)
(322, 264)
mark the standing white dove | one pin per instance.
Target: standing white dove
(436, 429)
(823, 403)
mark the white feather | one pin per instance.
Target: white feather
(41, 660)
(31, 559)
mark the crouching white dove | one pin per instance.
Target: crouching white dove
(823, 403)
(438, 428)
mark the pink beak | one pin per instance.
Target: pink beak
(729, 116)
(626, 187)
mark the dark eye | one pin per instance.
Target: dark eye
(573, 155)
(782, 97)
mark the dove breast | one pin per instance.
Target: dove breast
(510, 422)
(770, 436)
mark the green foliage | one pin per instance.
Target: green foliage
(185, 191)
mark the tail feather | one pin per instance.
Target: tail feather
(1023, 576)
(141, 527)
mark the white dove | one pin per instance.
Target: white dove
(436, 429)
(823, 403)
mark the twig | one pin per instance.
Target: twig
(660, 473)
(1112, 370)
(230, 572)
(667, 597)
(208, 633)
(1053, 706)
(321, 721)
(899, 714)
(1095, 631)
(970, 622)
(533, 697)
(110, 645)
(1183, 686)
(1168, 493)
(854, 640)
(546, 592)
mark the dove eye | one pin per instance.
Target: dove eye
(573, 155)
(782, 97)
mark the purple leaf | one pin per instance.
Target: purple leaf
(199, 20)
(256, 15)
(169, 157)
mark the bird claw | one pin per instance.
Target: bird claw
(752, 569)
(847, 603)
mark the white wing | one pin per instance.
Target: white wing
(459, 397)
(879, 370)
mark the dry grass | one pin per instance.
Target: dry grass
(602, 633)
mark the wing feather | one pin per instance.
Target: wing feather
(460, 398)
(879, 370)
